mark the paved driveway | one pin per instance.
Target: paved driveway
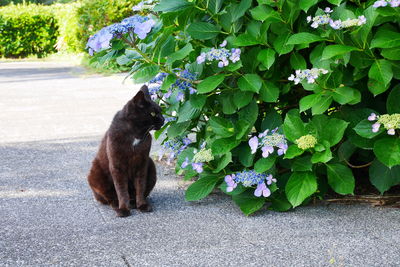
(52, 116)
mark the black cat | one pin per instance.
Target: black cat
(122, 173)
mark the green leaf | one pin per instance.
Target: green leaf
(248, 203)
(224, 145)
(228, 104)
(245, 156)
(391, 53)
(222, 127)
(387, 150)
(269, 92)
(177, 129)
(302, 164)
(145, 74)
(242, 99)
(293, 126)
(265, 13)
(187, 112)
(306, 4)
(237, 11)
(344, 95)
(300, 186)
(340, 178)
(203, 30)
(245, 39)
(223, 162)
(392, 104)
(386, 39)
(297, 61)
(210, 83)
(197, 101)
(323, 156)
(166, 6)
(335, 2)
(293, 151)
(168, 81)
(250, 82)
(322, 105)
(303, 38)
(309, 101)
(280, 203)
(364, 129)
(201, 188)
(266, 57)
(214, 5)
(382, 177)
(180, 54)
(381, 71)
(264, 164)
(330, 130)
(336, 50)
(249, 113)
(280, 44)
(272, 120)
(238, 190)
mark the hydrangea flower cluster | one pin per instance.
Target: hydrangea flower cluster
(390, 122)
(175, 146)
(221, 55)
(306, 142)
(204, 155)
(139, 25)
(335, 24)
(383, 3)
(149, 4)
(182, 85)
(250, 178)
(267, 141)
(321, 19)
(310, 74)
(338, 24)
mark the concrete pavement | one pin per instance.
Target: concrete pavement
(51, 121)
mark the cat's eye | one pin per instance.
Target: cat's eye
(153, 114)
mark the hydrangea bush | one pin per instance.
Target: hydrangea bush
(272, 102)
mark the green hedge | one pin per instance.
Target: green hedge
(27, 30)
(32, 29)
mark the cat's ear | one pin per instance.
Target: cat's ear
(139, 99)
(145, 90)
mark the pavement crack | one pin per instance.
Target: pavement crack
(126, 261)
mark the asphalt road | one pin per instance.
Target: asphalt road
(52, 116)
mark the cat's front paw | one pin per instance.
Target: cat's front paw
(145, 208)
(123, 212)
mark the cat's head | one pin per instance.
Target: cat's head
(141, 109)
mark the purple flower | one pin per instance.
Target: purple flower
(185, 163)
(270, 179)
(235, 55)
(253, 143)
(200, 59)
(391, 132)
(266, 150)
(229, 179)
(380, 3)
(395, 3)
(197, 166)
(375, 127)
(328, 10)
(180, 96)
(282, 148)
(372, 117)
(262, 189)
(142, 29)
(223, 44)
